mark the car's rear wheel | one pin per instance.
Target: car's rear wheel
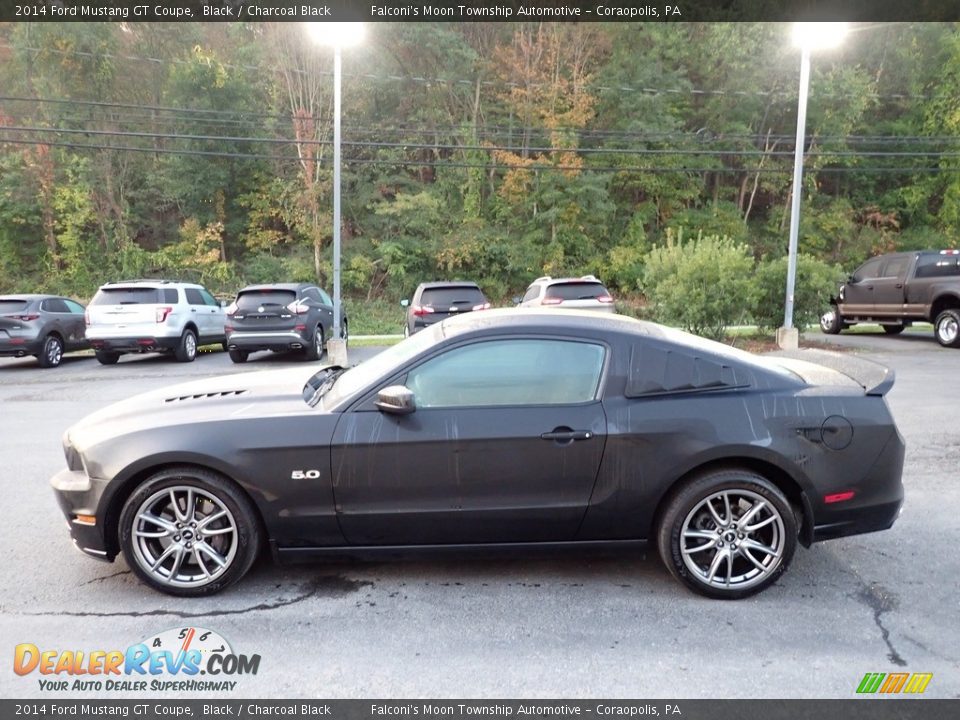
(107, 358)
(831, 323)
(314, 351)
(187, 347)
(189, 532)
(238, 356)
(728, 534)
(52, 352)
(893, 329)
(947, 328)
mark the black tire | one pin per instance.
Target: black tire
(105, 357)
(237, 543)
(831, 323)
(946, 328)
(187, 347)
(893, 329)
(747, 570)
(239, 356)
(51, 354)
(314, 351)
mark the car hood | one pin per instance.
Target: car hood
(242, 395)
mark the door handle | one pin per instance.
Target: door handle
(899, 286)
(193, 309)
(561, 435)
(869, 287)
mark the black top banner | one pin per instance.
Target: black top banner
(477, 11)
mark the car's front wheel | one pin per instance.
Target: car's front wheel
(51, 353)
(189, 532)
(727, 534)
(947, 328)
(831, 323)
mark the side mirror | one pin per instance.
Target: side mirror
(516, 299)
(404, 303)
(396, 400)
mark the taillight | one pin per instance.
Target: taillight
(163, 313)
(298, 308)
(552, 301)
(482, 306)
(421, 310)
(25, 318)
(838, 497)
(230, 309)
(604, 299)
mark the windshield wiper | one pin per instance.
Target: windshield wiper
(317, 387)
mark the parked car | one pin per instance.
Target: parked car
(582, 293)
(45, 326)
(281, 317)
(138, 316)
(898, 289)
(436, 301)
(503, 429)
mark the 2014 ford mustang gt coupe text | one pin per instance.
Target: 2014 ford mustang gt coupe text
(504, 428)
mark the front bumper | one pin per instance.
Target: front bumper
(278, 340)
(77, 494)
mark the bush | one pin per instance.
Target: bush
(703, 285)
(816, 283)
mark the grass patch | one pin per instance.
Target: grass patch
(374, 317)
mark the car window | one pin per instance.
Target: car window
(868, 271)
(126, 296)
(937, 266)
(509, 372)
(253, 299)
(11, 306)
(531, 293)
(576, 291)
(208, 299)
(170, 295)
(194, 297)
(896, 267)
(73, 307)
(445, 297)
(54, 305)
(324, 298)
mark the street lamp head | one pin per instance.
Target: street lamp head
(819, 35)
(336, 34)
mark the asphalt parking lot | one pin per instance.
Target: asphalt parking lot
(578, 626)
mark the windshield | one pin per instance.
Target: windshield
(366, 373)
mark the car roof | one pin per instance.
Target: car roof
(552, 319)
(147, 283)
(28, 296)
(585, 279)
(446, 284)
(276, 286)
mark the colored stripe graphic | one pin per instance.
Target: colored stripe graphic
(918, 682)
(894, 682)
(871, 682)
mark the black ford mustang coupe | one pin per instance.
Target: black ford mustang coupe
(505, 429)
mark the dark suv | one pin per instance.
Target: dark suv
(45, 326)
(436, 301)
(281, 317)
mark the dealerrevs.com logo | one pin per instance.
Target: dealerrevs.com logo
(894, 683)
(177, 660)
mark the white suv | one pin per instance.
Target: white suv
(582, 293)
(138, 316)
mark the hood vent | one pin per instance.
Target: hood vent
(201, 396)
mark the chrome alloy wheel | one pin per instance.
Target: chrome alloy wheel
(827, 320)
(732, 540)
(947, 329)
(184, 536)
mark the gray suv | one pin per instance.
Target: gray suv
(45, 326)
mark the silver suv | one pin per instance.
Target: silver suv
(138, 316)
(582, 293)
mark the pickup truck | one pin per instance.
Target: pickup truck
(898, 289)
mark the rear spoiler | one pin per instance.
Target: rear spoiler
(874, 378)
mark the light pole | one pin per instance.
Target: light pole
(338, 36)
(808, 36)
